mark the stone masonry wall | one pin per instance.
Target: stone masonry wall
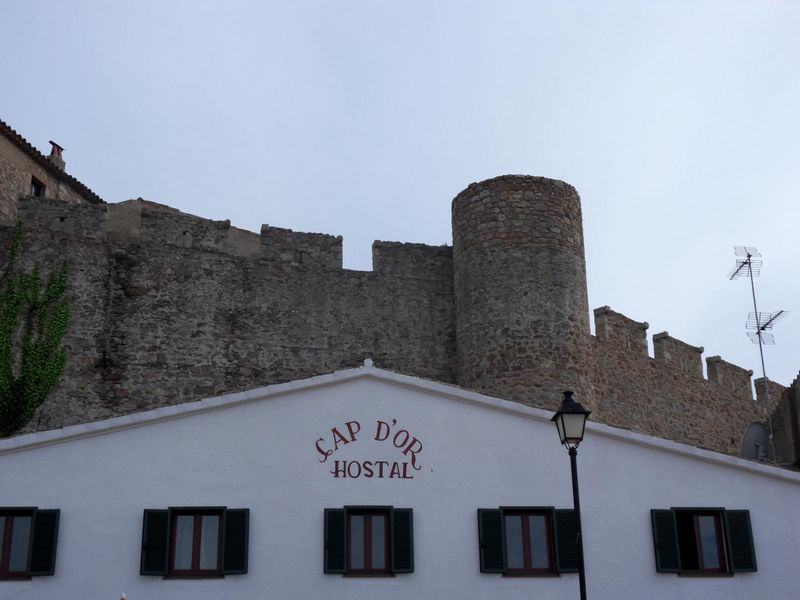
(169, 308)
(55, 231)
(667, 395)
(16, 169)
(522, 315)
(786, 424)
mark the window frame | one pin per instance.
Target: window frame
(41, 544)
(158, 542)
(678, 547)
(9, 516)
(719, 541)
(368, 513)
(37, 188)
(399, 541)
(527, 569)
(197, 530)
(561, 542)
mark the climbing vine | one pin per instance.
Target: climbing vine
(33, 320)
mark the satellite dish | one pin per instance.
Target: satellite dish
(755, 442)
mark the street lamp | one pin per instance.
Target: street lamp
(571, 421)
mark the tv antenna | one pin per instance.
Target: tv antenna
(759, 324)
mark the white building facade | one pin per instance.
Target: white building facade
(367, 484)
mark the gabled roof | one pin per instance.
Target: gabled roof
(369, 372)
(41, 160)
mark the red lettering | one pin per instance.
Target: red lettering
(410, 447)
(338, 437)
(413, 447)
(325, 453)
(397, 435)
(336, 471)
(350, 426)
(368, 468)
(381, 464)
(353, 463)
(381, 427)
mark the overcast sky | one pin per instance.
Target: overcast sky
(678, 123)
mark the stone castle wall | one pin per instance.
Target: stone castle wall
(170, 308)
(666, 395)
(786, 422)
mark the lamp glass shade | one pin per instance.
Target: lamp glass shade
(570, 427)
(570, 421)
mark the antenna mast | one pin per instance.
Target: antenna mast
(748, 262)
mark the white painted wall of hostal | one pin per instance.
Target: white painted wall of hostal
(258, 450)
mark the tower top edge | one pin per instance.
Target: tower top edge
(515, 181)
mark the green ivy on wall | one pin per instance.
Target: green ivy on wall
(33, 320)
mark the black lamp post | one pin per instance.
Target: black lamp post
(571, 421)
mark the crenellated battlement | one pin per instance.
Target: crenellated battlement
(666, 394)
(678, 355)
(170, 307)
(735, 380)
(618, 330)
(775, 391)
(621, 334)
(417, 261)
(295, 249)
(63, 221)
(140, 221)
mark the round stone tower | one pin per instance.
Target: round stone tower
(522, 314)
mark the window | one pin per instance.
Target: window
(369, 540)
(367, 537)
(37, 187)
(703, 541)
(527, 540)
(195, 542)
(28, 539)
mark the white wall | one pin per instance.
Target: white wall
(477, 452)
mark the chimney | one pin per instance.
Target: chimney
(55, 155)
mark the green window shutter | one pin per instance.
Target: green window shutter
(155, 542)
(740, 541)
(42, 559)
(236, 528)
(565, 538)
(665, 541)
(402, 540)
(491, 547)
(335, 541)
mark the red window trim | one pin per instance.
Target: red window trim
(720, 540)
(5, 544)
(195, 571)
(527, 569)
(367, 542)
